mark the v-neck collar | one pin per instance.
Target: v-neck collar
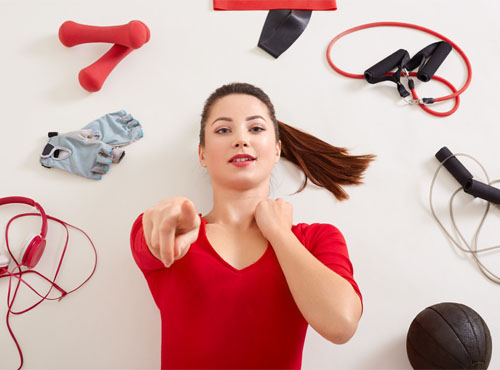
(203, 232)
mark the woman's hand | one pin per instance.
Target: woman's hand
(170, 227)
(273, 215)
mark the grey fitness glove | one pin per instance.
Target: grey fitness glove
(79, 153)
(86, 152)
(116, 129)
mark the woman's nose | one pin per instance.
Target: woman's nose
(240, 144)
(241, 141)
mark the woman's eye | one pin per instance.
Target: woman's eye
(221, 130)
(257, 129)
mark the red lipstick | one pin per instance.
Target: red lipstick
(241, 160)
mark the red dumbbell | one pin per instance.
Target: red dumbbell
(92, 77)
(133, 34)
(126, 38)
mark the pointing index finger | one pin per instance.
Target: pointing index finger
(188, 218)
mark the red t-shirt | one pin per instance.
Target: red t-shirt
(215, 316)
(274, 4)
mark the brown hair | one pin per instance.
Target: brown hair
(323, 164)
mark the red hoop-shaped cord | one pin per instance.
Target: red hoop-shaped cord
(455, 93)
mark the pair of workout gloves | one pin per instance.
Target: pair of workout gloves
(125, 38)
(89, 152)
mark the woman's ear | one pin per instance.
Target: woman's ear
(278, 151)
(201, 154)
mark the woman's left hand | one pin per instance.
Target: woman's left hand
(273, 215)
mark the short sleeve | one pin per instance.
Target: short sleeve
(328, 245)
(140, 251)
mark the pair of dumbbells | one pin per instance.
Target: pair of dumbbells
(125, 38)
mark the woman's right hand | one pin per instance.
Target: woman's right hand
(170, 227)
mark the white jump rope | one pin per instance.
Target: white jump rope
(466, 247)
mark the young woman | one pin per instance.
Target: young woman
(237, 288)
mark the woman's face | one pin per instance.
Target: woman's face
(239, 124)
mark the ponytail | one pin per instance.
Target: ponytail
(323, 164)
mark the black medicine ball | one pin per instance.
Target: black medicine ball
(448, 336)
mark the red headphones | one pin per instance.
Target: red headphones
(30, 256)
(33, 250)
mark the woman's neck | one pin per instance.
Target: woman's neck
(236, 208)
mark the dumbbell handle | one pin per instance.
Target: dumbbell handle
(133, 34)
(92, 77)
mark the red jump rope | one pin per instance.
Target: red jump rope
(423, 103)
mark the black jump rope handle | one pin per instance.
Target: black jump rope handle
(479, 190)
(473, 187)
(454, 166)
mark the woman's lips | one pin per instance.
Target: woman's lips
(242, 163)
(242, 160)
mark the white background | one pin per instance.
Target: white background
(403, 262)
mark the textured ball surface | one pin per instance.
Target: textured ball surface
(448, 336)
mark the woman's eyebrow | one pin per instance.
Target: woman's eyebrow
(222, 119)
(231, 120)
(255, 117)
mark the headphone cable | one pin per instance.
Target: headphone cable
(20, 272)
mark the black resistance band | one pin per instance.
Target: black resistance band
(281, 29)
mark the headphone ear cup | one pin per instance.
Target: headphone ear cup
(32, 251)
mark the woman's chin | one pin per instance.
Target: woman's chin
(241, 183)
